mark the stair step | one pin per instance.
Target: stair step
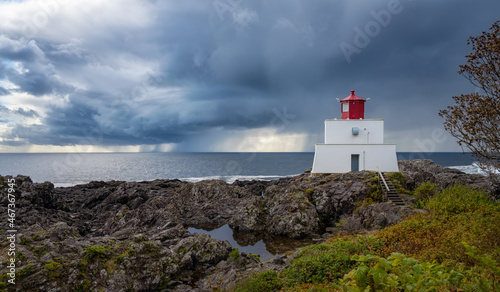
(395, 199)
(392, 193)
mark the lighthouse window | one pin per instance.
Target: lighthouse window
(345, 107)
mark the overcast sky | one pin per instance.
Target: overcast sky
(228, 75)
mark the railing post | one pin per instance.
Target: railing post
(385, 184)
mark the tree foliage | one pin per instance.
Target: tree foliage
(475, 118)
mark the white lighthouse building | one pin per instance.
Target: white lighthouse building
(353, 143)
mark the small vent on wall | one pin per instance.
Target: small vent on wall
(355, 130)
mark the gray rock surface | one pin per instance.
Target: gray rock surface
(122, 236)
(114, 236)
(420, 171)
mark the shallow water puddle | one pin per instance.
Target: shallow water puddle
(254, 243)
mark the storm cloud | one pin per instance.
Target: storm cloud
(217, 75)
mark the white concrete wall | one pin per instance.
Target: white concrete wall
(334, 158)
(340, 132)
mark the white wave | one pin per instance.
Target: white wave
(473, 169)
(227, 178)
(232, 178)
(68, 185)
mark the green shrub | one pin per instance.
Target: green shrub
(400, 273)
(375, 191)
(425, 191)
(328, 261)
(266, 281)
(458, 199)
(53, 268)
(234, 255)
(458, 214)
(97, 251)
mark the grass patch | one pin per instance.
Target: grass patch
(328, 261)
(260, 282)
(97, 252)
(54, 269)
(425, 191)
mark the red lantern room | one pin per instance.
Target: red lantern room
(353, 107)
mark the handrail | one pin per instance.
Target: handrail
(385, 183)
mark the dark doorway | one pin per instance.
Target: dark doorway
(355, 162)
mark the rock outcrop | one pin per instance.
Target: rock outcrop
(420, 171)
(122, 236)
(115, 236)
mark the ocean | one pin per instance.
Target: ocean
(68, 169)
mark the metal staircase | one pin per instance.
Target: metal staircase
(389, 191)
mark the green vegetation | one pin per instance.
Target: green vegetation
(457, 214)
(97, 251)
(375, 192)
(264, 281)
(25, 271)
(425, 191)
(309, 192)
(453, 247)
(328, 261)
(53, 268)
(400, 273)
(399, 182)
(234, 255)
(39, 250)
(255, 256)
(83, 286)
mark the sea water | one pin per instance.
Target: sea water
(70, 169)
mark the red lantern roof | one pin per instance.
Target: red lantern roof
(352, 97)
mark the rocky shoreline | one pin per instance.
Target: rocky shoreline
(132, 236)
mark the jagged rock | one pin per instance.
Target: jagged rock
(226, 274)
(381, 215)
(420, 171)
(114, 236)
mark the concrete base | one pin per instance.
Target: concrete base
(336, 158)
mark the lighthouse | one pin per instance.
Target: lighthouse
(354, 143)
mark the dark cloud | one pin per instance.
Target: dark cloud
(29, 113)
(186, 69)
(3, 91)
